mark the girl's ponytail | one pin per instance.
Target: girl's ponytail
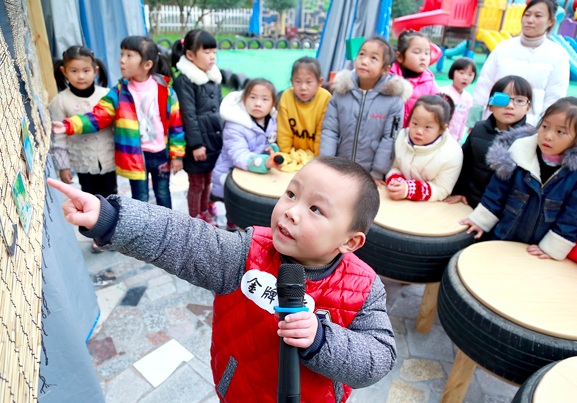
(161, 66)
(74, 53)
(61, 81)
(148, 50)
(193, 41)
(177, 51)
(102, 73)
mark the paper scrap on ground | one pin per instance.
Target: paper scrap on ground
(157, 366)
(108, 298)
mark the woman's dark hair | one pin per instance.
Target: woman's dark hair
(74, 53)
(520, 86)
(568, 106)
(388, 52)
(260, 81)
(147, 50)
(441, 105)
(309, 63)
(367, 200)
(194, 41)
(405, 39)
(552, 6)
(463, 64)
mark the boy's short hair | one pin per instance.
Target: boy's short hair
(520, 86)
(368, 199)
(462, 64)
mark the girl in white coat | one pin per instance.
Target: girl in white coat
(532, 56)
(428, 159)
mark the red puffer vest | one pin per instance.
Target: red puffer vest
(245, 344)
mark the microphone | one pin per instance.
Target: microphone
(291, 286)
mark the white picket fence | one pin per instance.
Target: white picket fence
(168, 19)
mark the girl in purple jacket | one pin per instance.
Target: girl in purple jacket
(413, 58)
(249, 136)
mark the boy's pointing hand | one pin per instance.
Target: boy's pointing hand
(83, 209)
(299, 329)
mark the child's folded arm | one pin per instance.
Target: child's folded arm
(189, 248)
(237, 146)
(560, 239)
(383, 156)
(363, 353)
(487, 214)
(330, 129)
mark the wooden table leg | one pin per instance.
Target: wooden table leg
(428, 308)
(459, 379)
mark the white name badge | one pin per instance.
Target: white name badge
(260, 288)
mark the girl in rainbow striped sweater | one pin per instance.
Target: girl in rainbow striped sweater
(149, 137)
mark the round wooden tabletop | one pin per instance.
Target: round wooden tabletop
(559, 384)
(538, 294)
(421, 218)
(272, 184)
(409, 217)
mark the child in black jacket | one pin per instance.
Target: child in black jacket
(200, 95)
(476, 173)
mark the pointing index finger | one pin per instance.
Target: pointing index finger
(69, 191)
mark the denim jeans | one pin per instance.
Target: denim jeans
(158, 165)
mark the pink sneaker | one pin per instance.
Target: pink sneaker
(212, 210)
(205, 216)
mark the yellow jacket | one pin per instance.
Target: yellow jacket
(299, 124)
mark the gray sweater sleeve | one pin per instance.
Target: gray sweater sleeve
(188, 247)
(363, 353)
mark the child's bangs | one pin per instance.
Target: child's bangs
(131, 43)
(205, 40)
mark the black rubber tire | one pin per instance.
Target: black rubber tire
(225, 40)
(296, 42)
(265, 41)
(308, 43)
(292, 37)
(410, 258)
(317, 44)
(163, 40)
(281, 40)
(238, 81)
(254, 40)
(493, 342)
(527, 390)
(226, 75)
(239, 41)
(246, 209)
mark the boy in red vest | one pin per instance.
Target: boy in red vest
(321, 219)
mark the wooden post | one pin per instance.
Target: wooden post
(459, 379)
(38, 27)
(428, 308)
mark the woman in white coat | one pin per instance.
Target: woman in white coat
(532, 56)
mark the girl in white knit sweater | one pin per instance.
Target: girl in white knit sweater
(91, 156)
(428, 159)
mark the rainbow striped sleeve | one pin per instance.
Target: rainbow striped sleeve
(102, 116)
(176, 142)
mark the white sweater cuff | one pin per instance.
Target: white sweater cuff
(555, 245)
(483, 218)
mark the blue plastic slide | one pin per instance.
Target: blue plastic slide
(456, 50)
(572, 54)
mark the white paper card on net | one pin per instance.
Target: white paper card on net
(157, 366)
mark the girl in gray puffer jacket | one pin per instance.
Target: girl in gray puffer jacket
(366, 105)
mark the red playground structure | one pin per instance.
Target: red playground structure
(457, 16)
